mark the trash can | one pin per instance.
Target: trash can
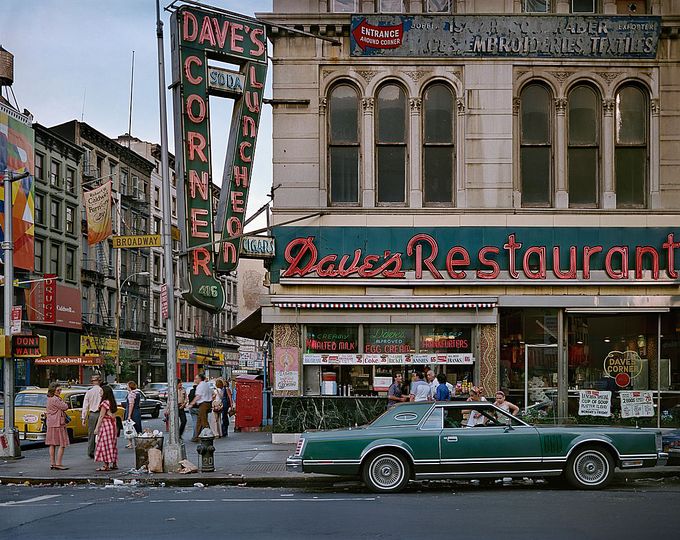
(142, 446)
(248, 403)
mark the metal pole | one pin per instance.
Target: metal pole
(658, 372)
(118, 313)
(526, 377)
(13, 450)
(174, 451)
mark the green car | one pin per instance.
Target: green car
(415, 441)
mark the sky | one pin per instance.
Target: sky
(73, 60)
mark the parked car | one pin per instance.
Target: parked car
(30, 417)
(431, 440)
(151, 407)
(671, 444)
(157, 390)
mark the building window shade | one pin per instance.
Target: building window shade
(343, 150)
(630, 159)
(536, 146)
(438, 145)
(583, 152)
(391, 135)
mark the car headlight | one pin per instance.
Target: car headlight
(299, 447)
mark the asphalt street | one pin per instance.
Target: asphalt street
(345, 512)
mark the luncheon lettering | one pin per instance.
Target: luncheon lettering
(302, 256)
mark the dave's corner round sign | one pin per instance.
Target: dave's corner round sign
(623, 367)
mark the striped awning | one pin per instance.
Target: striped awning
(384, 305)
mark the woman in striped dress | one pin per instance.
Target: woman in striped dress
(106, 450)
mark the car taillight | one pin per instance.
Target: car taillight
(300, 445)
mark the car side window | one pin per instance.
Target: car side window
(77, 401)
(434, 421)
(453, 417)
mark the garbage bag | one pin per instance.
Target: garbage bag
(155, 460)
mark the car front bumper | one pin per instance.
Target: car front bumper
(294, 464)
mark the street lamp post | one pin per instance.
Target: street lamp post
(13, 450)
(118, 313)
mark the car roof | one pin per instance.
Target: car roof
(64, 390)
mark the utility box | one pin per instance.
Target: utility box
(248, 403)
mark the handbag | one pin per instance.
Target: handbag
(67, 418)
(217, 405)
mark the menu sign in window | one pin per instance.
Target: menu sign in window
(445, 339)
(337, 339)
(394, 339)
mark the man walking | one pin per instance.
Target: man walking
(394, 394)
(203, 399)
(90, 411)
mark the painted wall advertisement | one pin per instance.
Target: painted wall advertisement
(286, 370)
(548, 36)
(17, 140)
(594, 403)
(636, 404)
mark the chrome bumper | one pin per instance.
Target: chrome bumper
(662, 459)
(294, 464)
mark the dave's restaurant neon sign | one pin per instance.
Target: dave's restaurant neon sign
(424, 258)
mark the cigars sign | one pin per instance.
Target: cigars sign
(449, 254)
(200, 35)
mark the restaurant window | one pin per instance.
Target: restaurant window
(332, 339)
(343, 145)
(71, 181)
(343, 6)
(534, 332)
(438, 145)
(38, 250)
(55, 215)
(70, 264)
(55, 167)
(583, 154)
(55, 259)
(391, 6)
(536, 145)
(630, 158)
(389, 339)
(391, 137)
(39, 165)
(438, 6)
(39, 209)
(70, 219)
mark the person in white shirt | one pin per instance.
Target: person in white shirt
(90, 411)
(420, 390)
(432, 381)
(203, 399)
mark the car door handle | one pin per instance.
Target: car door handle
(451, 439)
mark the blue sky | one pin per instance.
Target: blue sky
(73, 58)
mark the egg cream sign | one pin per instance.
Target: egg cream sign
(200, 35)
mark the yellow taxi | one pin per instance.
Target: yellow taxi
(29, 413)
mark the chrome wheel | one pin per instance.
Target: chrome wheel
(386, 472)
(590, 468)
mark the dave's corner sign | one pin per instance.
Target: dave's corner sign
(547, 36)
(623, 367)
(199, 34)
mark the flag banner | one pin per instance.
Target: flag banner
(98, 211)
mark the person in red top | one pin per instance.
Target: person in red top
(106, 450)
(57, 436)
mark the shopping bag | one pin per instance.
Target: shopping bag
(129, 431)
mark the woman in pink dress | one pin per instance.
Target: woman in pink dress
(57, 436)
(106, 430)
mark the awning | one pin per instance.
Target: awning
(252, 327)
(386, 303)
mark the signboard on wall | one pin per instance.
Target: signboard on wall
(544, 36)
(388, 359)
(56, 304)
(286, 369)
(594, 403)
(478, 255)
(623, 367)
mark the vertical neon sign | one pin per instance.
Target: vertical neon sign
(197, 36)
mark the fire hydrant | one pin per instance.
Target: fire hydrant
(207, 452)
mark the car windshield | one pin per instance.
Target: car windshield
(31, 400)
(158, 386)
(120, 395)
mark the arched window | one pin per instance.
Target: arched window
(390, 141)
(343, 145)
(438, 145)
(583, 155)
(630, 157)
(536, 145)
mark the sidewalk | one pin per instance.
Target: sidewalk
(243, 459)
(240, 458)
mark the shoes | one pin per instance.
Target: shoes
(58, 467)
(195, 439)
(91, 456)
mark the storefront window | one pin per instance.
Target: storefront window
(332, 339)
(445, 339)
(389, 339)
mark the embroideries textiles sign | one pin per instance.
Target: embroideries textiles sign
(546, 36)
